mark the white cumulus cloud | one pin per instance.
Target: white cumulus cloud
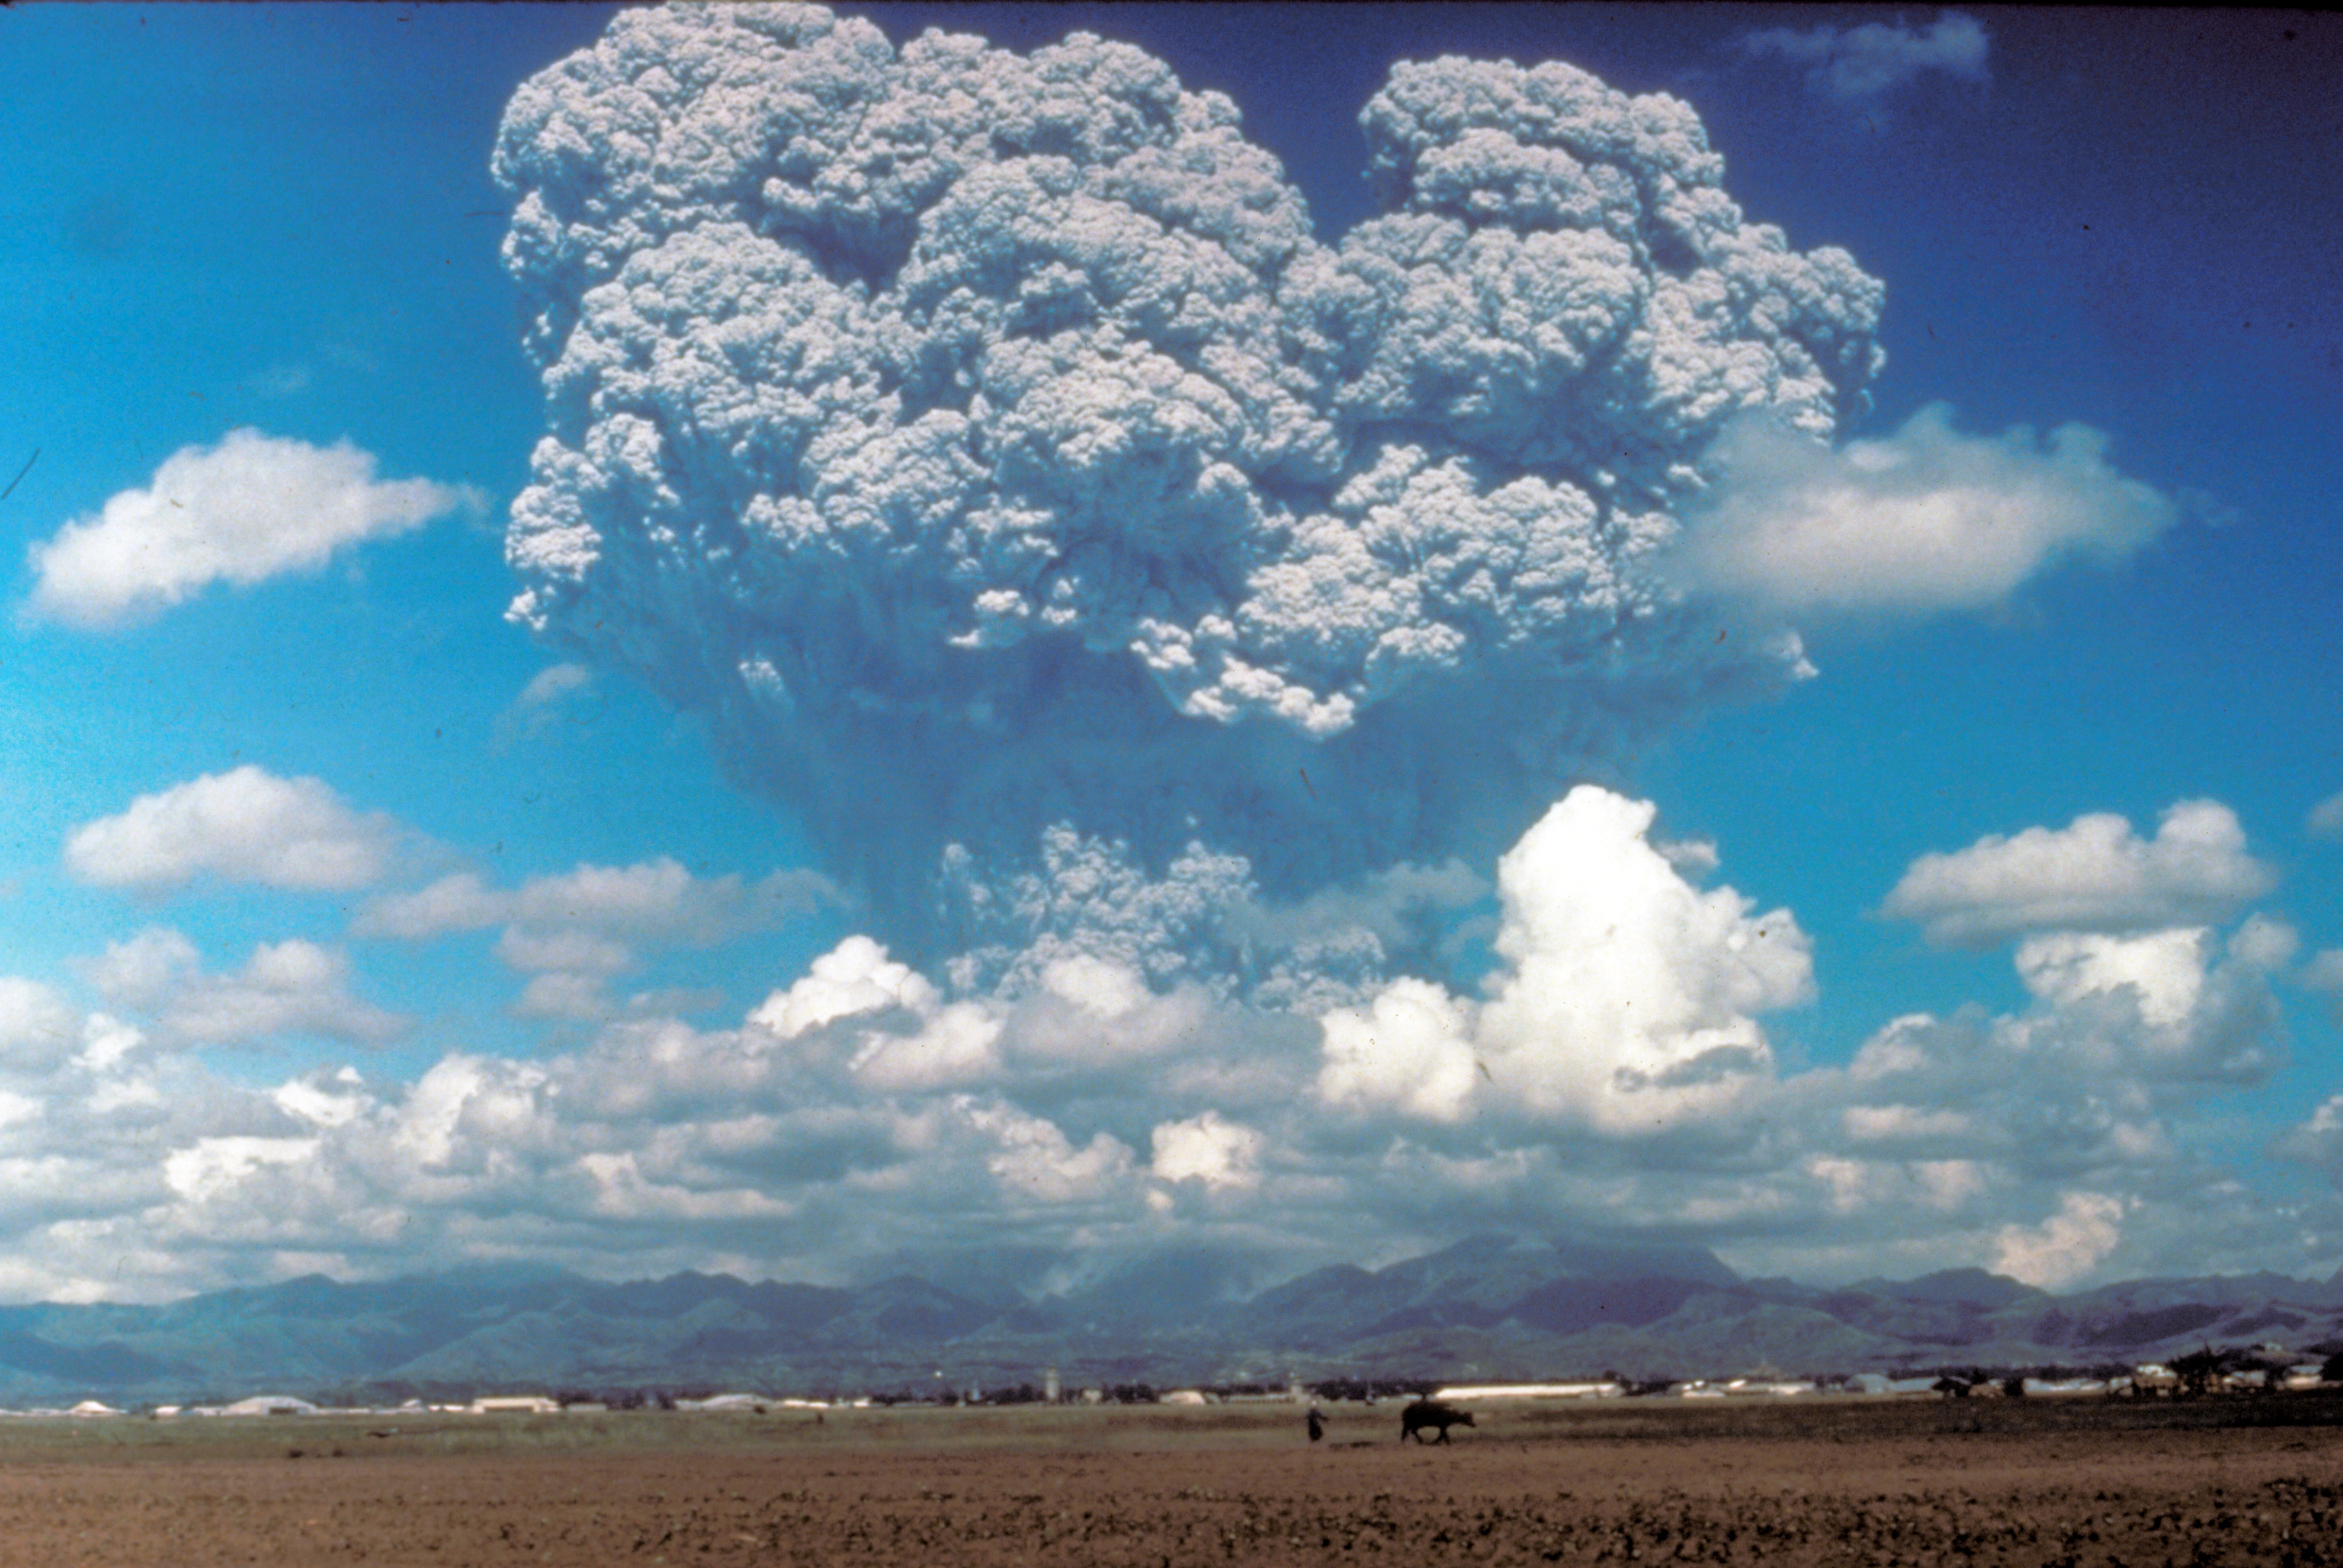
(1626, 1004)
(36, 1024)
(657, 901)
(574, 931)
(854, 978)
(554, 683)
(2323, 973)
(246, 825)
(2326, 819)
(212, 1167)
(1210, 1149)
(2095, 874)
(292, 987)
(1925, 519)
(2165, 970)
(1863, 62)
(2064, 1247)
(1411, 1048)
(142, 970)
(253, 508)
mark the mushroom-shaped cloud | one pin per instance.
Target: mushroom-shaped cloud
(982, 442)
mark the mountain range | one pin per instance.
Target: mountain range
(1489, 1307)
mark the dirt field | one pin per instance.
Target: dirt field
(1833, 1482)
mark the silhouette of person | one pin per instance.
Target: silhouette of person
(1317, 1424)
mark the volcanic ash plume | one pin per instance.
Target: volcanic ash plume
(982, 443)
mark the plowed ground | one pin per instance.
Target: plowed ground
(2259, 1482)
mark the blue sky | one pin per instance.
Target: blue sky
(581, 876)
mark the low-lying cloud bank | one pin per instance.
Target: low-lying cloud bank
(1098, 1096)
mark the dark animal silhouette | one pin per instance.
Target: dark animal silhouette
(1428, 1415)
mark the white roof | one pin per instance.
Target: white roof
(269, 1404)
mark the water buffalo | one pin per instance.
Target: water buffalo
(1426, 1415)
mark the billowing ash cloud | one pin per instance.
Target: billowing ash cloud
(983, 442)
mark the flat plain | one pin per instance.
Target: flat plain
(1825, 1481)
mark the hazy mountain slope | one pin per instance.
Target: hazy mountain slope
(1489, 1306)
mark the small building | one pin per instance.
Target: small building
(746, 1403)
(1531, 1390)
(1747, 1387)
(1881, 1383)
(2038, 1388)
(514, 1405)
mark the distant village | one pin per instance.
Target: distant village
(2261, 1370)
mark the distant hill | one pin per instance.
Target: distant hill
(1490, 1306)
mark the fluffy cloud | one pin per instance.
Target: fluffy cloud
(1626, 1004)
(553, 683)
(888, 1025)
(2324, 975)
(2326, 819)
(2165, 970)
(36, 1024)
(291, 987)
(949, 403)
(1863, 63)
(243, 826)
(2095, 874)
(2053, 1142)
(143, 970)
(1925, 519)
(573, 932)
(2320, 1139)
(2126, 1036)
(2165, 1011)
(654, 901)
(1411, 1049)
(211, 1167)
(854, 978)
(2066, 1246)
(253, 508)
(866, 1112)
(1209, 1150)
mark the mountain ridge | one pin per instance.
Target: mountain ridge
(1487, 1306)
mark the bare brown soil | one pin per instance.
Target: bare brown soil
(1831, 1482)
